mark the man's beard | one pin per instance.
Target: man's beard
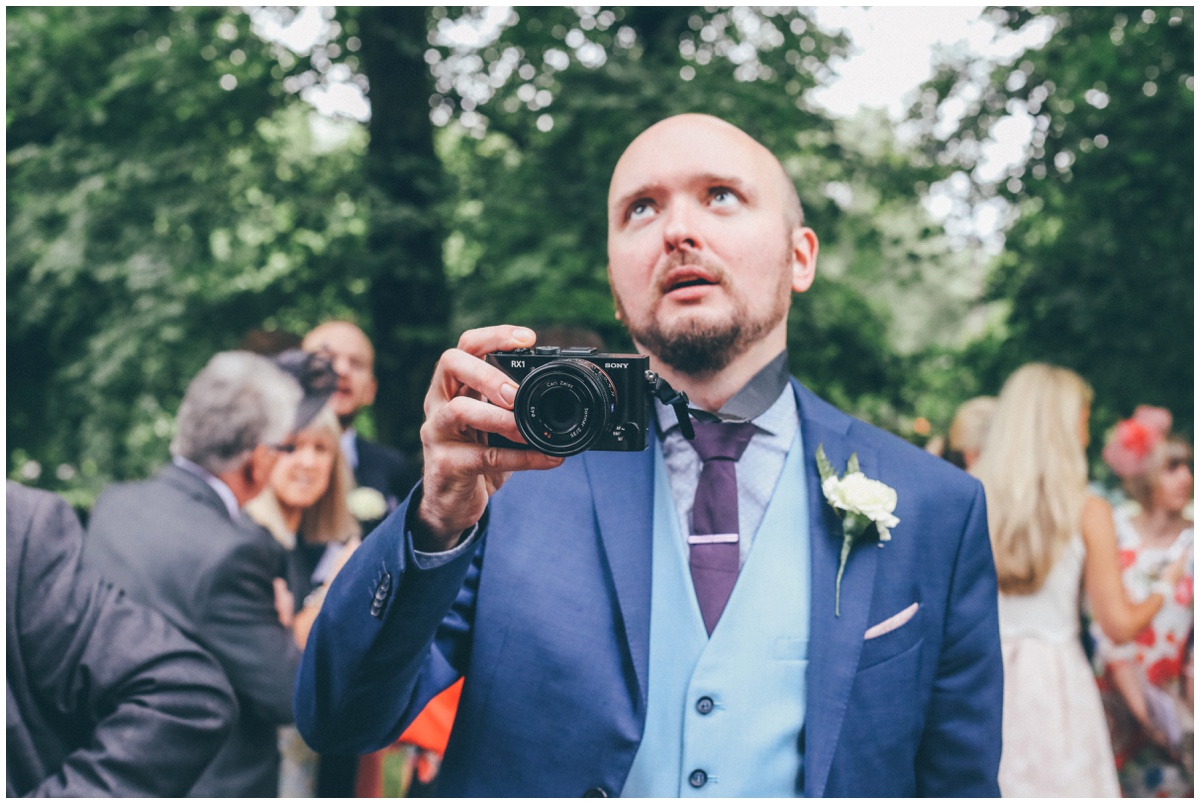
(701, 347)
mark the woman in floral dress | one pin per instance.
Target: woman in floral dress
(1146, 684)
(1052, 541)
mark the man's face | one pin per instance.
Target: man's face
(353, 360)
(704, 249)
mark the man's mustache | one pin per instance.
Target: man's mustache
(663, 281)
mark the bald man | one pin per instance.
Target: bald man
(375, 465)
(695, 619)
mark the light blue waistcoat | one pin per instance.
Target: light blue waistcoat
(751, 670)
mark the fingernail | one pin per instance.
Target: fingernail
(508, 392)
(523, 336)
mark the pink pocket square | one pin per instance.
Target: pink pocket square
(892, 623)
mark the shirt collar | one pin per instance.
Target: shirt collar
(215, 483)
(755, 398)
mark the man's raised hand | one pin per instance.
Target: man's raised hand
(468, 399)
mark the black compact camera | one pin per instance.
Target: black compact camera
(574, 399)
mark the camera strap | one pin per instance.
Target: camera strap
(664, 393)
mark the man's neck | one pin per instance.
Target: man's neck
(710, 391)
(218, 483)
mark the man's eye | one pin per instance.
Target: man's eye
(723, 197)
(639, 210)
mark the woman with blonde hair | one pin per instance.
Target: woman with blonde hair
(1052, 540)
(305, 507)
(1145, 683)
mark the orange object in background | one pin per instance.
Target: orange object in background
(429, 732)
(431, 729)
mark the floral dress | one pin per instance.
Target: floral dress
(1162, 656)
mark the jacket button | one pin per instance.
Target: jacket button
(698, 778)
(596, 792)
(704, 705)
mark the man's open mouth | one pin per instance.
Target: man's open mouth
(687, 277)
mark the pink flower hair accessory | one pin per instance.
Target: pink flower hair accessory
(1134, 439)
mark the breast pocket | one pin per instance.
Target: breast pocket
(892, 643)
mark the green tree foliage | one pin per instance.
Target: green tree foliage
(169, 190)
(1098, 265)
(165, 195)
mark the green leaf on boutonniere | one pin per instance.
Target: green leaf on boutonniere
(824, 467)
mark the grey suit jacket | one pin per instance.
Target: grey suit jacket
(105, 698)
(170, 543)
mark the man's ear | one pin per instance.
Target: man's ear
(804, 258)
(257, 470)
(372, 387)
(613, 291)
(250, 471)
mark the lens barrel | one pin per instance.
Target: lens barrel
(563, 406)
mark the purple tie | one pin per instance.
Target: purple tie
(713, 553)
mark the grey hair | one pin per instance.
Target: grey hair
(238, 401)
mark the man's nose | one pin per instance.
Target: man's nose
(341, 365)
(679, 227)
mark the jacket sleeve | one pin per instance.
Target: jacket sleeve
(240, 627)
(960, 750)
(393, 632)
(140, 709)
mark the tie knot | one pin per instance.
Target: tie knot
(722, 440)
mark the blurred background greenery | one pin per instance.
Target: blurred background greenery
(171, 188)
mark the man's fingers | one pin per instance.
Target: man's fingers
(459, 373)
(472, 460)
(501, 338)
(463, 418)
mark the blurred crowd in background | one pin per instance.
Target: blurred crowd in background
(230, 549)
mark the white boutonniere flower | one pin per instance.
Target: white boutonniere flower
(367, 504)
(861, 502)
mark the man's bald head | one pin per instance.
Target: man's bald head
(682, 127)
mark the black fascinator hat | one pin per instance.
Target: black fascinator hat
(317, 379)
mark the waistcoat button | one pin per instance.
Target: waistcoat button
(698, 778)
(704, 705)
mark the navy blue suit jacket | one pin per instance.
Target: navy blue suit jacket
(549, 620)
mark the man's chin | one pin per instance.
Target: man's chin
(695, 350)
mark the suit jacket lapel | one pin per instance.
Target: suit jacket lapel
(835, 642)
(623, 492)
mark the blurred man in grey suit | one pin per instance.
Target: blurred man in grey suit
(179, 543)
(105, 698)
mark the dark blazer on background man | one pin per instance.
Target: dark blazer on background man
(386, 470)
(549, 620)
(105, 697)
(170, 543)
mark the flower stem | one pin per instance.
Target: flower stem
(847, 543)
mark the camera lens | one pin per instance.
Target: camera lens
(563, 406)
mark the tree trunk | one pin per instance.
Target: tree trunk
(410, 309)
